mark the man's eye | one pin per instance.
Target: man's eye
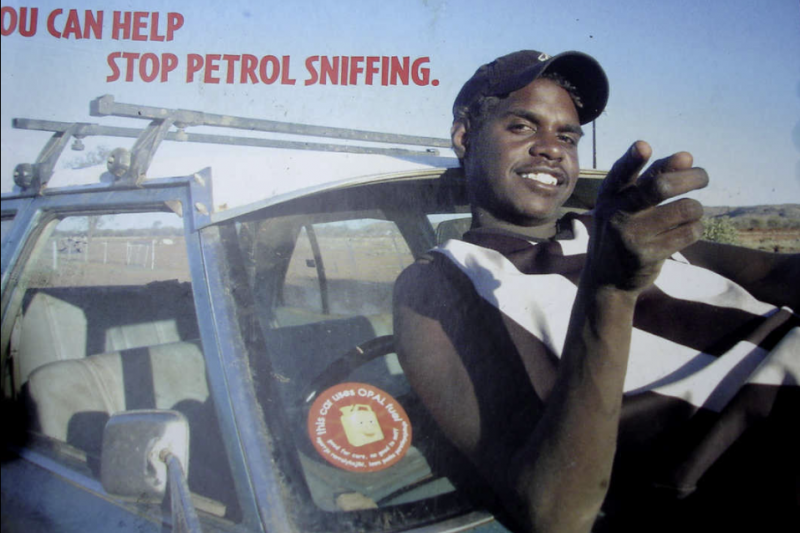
(569, 139)
(520, 127)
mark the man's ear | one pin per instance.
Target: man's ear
(459, 137)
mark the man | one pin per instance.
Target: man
(606, 358)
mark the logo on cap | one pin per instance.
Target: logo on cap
(543, 57)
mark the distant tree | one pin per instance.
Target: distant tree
(720, 229)
(93, 224)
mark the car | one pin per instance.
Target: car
(213, 349)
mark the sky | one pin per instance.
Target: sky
(720, 79)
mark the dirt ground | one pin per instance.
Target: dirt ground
(771, 240)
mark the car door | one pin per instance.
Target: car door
(100, 317)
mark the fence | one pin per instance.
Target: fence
(78, 260)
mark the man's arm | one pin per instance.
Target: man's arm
(557, 478)
(770, 277)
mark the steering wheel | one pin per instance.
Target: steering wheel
(338, 370)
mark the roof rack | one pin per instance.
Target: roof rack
(130, 166)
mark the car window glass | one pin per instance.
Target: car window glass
(5, 227)
(301, 289)
(112, 250)
(6, 223)
(344, 268)
(450, 226)
(107, 324)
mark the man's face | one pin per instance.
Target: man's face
(522, 163)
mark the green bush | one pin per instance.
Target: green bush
(720, 229)
(751, 222)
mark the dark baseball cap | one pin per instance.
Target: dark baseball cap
(514, 71)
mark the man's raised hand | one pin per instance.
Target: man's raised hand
(634, 232)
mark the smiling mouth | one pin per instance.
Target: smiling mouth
(540, 177)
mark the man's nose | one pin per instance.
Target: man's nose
(546, 146)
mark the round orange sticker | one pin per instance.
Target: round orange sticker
(358, 427)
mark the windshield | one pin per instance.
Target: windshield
(351, 438)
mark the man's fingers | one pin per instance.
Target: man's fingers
(676, 239)
(663, 218)
(660, 231)
(624, 191)
(627, 168)
(666, 178)
(657, 186)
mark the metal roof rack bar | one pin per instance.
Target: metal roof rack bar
(106, 106)
(87, 130)
(130, 166)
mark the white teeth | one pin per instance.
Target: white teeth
(541, 177)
